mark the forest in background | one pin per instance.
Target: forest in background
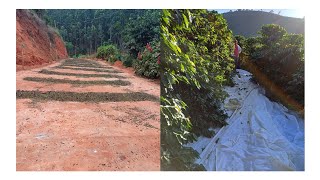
(85, 30)
(131, 36)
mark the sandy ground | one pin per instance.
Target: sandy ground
(72, 135)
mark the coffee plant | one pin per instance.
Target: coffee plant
(146, 63)
(195, 64)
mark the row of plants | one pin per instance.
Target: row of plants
(146, 63)
(280, 56)
(195, 65)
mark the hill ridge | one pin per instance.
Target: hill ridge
(248, 23)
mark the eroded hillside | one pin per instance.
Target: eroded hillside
(36, 43)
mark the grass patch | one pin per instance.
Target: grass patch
(44, 71)
(67, 81)
(86, 96)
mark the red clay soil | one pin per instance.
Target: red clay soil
(118, 64)
(87, 136)
(36, 43)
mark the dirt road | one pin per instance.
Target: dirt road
(86, 115)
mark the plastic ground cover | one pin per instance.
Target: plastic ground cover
(261, 136)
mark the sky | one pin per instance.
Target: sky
(283, 12)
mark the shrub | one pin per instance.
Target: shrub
(253, 47)
(118, 56)
(127, 60)
(101, 52)
(146, 63)
(108, 52)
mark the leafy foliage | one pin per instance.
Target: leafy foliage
(127, 60)
(280, 56)
(253, 47)
(122, 32)
(195, 64)
(141, 30)
(109, 53)
(271, 33)
(146, 63)
(69, 46)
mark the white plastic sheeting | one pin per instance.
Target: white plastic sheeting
(261, 135)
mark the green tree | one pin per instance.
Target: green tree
(69, 47)
(100, 34)
(130, 30)
(271, 33)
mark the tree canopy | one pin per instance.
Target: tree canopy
(85, 30)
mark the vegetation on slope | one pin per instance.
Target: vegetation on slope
(280, 56)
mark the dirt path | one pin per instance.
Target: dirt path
(86, 115)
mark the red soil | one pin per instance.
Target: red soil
(72, 136)
(36, 43)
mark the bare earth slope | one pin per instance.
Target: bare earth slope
(36, 43)
(86, 115)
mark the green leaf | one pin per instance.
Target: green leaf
(186, 21)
